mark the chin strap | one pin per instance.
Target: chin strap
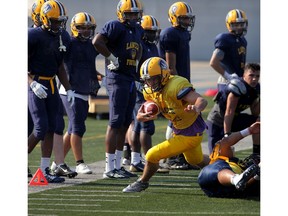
(61, 47)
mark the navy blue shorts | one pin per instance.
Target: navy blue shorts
(122, 98)
(209, 183)
(77, 115)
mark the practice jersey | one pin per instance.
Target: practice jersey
(171, 107)
(216, 115)
(176, 40)
(124, 43)
(234, 48)
(80, 64)
(44, 55)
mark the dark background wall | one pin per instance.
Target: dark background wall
(210, 20)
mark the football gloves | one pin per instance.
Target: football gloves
(114, 64)
(38, 89)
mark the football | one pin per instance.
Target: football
(151, 106)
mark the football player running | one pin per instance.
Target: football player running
(182, 105)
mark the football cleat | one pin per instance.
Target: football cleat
(139, 167)
(64, 170)
(249, 173)
(52, 178)
(114, 174)
(124, 172)
(83, 169)
(137, 186)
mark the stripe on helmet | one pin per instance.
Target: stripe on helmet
(154, 22)
(188, 8)
(134, 4)
(145, 67)
(239, 14)
(61, 7)
(87, 17)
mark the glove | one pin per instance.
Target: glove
(114, 64)
(70, 97)
(38, 89)
(228, 76)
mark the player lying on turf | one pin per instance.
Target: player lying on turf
(226, 175)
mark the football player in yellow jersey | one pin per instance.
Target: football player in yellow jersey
(182, 105)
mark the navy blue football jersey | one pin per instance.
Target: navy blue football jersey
(234, 48)
(124, 43)
(44, 55)
(176, 40)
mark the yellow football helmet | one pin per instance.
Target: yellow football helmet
(35, 13)
(181, 14)
(151, 29)
(83, 26)
(155, 73)
(53, 16)
(129, 11)
(237, 22)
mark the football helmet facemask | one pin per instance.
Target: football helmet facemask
(237, 22)
(180, 14)
(151, 29)
(154, 72)
(83, 26)
(129, 12)
(35, 13)
(53, 16)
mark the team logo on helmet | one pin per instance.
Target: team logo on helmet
(174, 9)
(47, 8)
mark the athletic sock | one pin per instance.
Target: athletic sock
(236, 178)
(79, 162)
(109, 162)
(135, 158)
(44, 163)
(118, 159)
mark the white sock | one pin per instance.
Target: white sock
(109, 162)
(135, 158)
(236, 178)
(45, 162)
(118, 159)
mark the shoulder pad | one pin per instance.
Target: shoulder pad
(237, 87)
(183, 92)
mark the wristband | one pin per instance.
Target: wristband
(111, 57)
(245, 132)
(227, 134)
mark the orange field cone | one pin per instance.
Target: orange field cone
(38, 179)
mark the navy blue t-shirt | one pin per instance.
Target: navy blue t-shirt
(80, 64)
(124, 43)
(44, 56)
(176, 40)
(234, 48)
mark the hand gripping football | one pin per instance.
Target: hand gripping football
(151, 106)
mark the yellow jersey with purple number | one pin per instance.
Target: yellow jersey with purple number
(171, 107)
